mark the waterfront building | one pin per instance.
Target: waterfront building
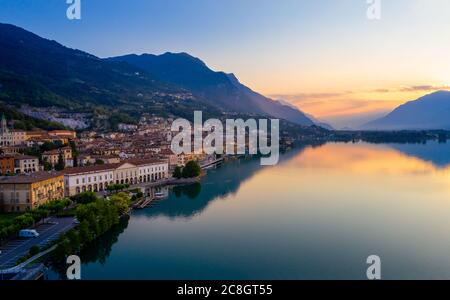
(24, 192)
(91, 178)
(98, 177)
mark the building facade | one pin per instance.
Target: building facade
(99, 177)
(7, 165)
(52, 156)
(19, 136)
(6, 136)
(25, 192)
(26, 164)
(92, 178)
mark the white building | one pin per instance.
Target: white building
(97, 178)
(11, 137)
(92, 178)
(26, 164)
(6, 137)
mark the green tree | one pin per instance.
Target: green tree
(192, 169)
(85, 198)
(177, 173)
(85, 233)
(74, 239)
(47, 166)
(61, 164)
(121, 201)
(75, 153)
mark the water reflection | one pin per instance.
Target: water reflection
(316, 215)
(433, 151)
(220, 182)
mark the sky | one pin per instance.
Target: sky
(323, 56)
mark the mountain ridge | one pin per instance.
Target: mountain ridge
(218, 88)
(431, 111)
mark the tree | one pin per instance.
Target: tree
(61, 164)
(47, 166)
(192, 169)
(84, 232)
(85, 198)
(99, 162)
(177, 173)
(121, 201)
(75, 153)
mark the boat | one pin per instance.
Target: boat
(159, 195)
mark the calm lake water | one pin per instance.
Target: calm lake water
(318, 214)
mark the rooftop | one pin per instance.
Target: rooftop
(29, 178)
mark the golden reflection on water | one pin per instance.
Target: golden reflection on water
(348, 173)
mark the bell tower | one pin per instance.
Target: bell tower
(4, 126)
(4, 132)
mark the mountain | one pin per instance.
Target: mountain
(39, 72)
(319, 122)
(67, 74)
(429, 112)
(215, 88)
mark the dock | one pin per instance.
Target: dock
(145, 203)
(210, 163)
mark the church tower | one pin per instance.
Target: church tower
(4, 127)
(5, 137)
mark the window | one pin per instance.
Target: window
(78, 181)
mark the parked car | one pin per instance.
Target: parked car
(28, 233)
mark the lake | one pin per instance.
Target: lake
(318, 214)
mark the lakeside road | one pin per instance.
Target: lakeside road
(48, 232)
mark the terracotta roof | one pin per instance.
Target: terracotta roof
(143, 161)
(25, 157)
(29, 178)
(106, 167)
(88, 169)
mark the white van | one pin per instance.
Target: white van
(28, 233)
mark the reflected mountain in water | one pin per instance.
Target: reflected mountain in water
(225, 180)
(433, 151)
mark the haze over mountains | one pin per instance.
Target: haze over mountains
(428, 112)
(41, 72)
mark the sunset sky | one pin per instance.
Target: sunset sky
(323, 56)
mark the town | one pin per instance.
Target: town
(40, 166)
